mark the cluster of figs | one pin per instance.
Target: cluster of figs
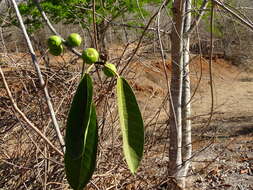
(89, 55)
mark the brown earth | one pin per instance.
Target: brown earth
(227, 159)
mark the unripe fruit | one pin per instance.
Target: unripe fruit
(90, 55)
(54, 41)
(56, 51)
(109, 69)
(74, 40)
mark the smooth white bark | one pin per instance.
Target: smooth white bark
(175, 150)
(186, 96)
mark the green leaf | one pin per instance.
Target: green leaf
(131, 122)
(80, 170)
(78, 118)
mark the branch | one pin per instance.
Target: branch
(197, 20)
(110, 21)
(211, 65)
(44, 16)
(41, 80)
(233, 13)
(137, 27)
(30, 124)
(94, 24)
(165, 2)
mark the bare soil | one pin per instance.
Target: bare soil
(224, 149)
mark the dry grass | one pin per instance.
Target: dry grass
(28, 163)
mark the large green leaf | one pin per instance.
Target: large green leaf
(131, 122)
(80, 170)
(78, 118)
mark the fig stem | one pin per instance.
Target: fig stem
(82, 69)
(89, 68)
(117, 74)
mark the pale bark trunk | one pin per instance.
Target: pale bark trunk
(186, 95)
(175, 149)
(180, 124)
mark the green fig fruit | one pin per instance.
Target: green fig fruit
(109, 69)
(74, 40)
(56, 51)
(54, 41)
(90, 55)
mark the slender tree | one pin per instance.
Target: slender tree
(186, 94)
(180, 151)
(175, 150)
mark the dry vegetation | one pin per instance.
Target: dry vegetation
(224, 149)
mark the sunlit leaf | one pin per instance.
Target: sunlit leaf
(131, 122)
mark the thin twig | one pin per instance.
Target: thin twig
(44, 16)
(161, 48)
(211, 63)
(2, 37)
(94, 24)
(41, 80)
(23, 116)
(233, 13)
(165, 2)
(95, 36)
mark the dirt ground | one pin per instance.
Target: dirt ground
(223, 150)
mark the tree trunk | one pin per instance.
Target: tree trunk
(180, 125)
(186, 95)
(175, 149)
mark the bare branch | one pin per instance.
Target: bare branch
(44, 16)
(110, 22)
(94, 24)
(196, 21)
(165, 2)
(37, 68)
(211, 65)
(234, 14)
(23, 116)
